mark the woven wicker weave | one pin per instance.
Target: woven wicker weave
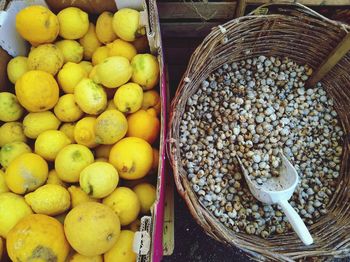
(307, 38)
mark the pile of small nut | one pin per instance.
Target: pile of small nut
(254, 108)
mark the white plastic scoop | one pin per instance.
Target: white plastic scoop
(278, 190)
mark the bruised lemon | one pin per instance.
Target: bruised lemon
(47, 57)
(90, 97)
(120, 47)
(16, 68)
(128, 98)
(37, 236)
(37, 24)
(50, 142)
(49, 200)
(147, 195)
(100, 54)
(72, 51)
(36, 123)
(126, 24)
(11, 132)
(26, 173)
(104, 28)
(78, 196)
(71, 160)
(122, 251)
(145, 70)
(37, 91)
(111, 126)
(12, 209)
(84, 132)
(90, 42)
(125, 203)
(69, 76)
(12, 150)
(99, 179)
(10, 109)
(132, 157)
(67, 110)
(112, 72)
(74, 23)
(92, 228)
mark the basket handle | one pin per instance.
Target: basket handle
(297, 7)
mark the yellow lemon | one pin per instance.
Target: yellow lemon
(113, 72)
(133, 157)
(12, 209)
(49, 143)
(37, 238)
(67, 109)
(47, 57)
(36, 123)
(111, 105)
(84, 132)
(104, 28)
(111, 126)
(103, 151)
(122, 251)
(10, 109)
(151, 99)
(68, 129)
(100, 54)
(92, 228)
(53, 179)
(87, 66)
(90, 97)
(74, 23)
(37, 24)
(120, 47)
(26, 173)
(125, 204)
(99, 179)
(16, 68)
(144, 124)
(90, 42)
(78, 196)
(128, 98)
(147, 195)
(126, 24)
(145, 70)
(72, 51)
(71, 160)
(70, 75)
(37, 91)
(49, 200)
(3, 186)
(11, 132)
(12, 150)
(135, 225)
(80, 258)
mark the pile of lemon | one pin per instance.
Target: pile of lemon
(82, 115)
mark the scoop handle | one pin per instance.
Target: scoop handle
(296, 222)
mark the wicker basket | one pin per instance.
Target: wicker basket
(306, 37)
